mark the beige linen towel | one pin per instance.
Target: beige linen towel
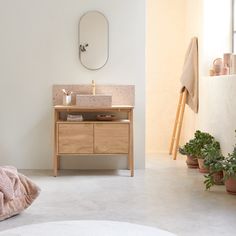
(189, 77)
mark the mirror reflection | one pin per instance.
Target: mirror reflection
(93, 40)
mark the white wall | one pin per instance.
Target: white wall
(217, 114)
(210, 21)
(39, 48)
(216, 32)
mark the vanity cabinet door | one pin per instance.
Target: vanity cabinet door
(75, 138)
(111, 138)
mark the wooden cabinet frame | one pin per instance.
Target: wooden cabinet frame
(120, 141)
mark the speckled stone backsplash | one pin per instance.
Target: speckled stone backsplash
(121, 94)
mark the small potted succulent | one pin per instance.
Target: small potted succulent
(202, 139)
(229, 167)
(189, 150)
(194, 148)
(213, 160)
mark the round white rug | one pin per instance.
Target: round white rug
(85, 228)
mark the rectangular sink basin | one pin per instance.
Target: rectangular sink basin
(98, 100)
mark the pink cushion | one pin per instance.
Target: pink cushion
(24, 193)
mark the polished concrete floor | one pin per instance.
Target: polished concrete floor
(166, 195)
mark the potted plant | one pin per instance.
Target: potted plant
(229, 167)
(189, 150)
(213, 161)
(194, 148)
(202, 139)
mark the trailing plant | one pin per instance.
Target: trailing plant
(212, 154)
(213, 160)
(229, 165)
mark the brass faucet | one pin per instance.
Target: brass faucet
(93, 87)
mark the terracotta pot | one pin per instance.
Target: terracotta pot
(218, 178)
(192, 162)
(230, 185)
(202, 167)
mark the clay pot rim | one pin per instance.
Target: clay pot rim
(191, 156)
(229, 177)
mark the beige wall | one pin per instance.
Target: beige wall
(168, 34)
(165, 55)
(214, 35)
(193, 27)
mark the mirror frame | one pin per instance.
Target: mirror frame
(107, 40)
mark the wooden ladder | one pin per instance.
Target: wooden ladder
(178, 123)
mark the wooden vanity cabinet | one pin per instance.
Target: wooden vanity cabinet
(75, 138)
(93, 137)
(111, 138)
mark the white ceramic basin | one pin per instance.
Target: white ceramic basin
(89, 100)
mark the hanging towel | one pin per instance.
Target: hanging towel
(189, 77)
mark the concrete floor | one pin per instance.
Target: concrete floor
(166, 195)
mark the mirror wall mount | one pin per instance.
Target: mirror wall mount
(93, 40)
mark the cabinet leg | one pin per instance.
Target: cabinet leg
(58, 163)
(132, 173)
(55, 165)
(131, 156)
(131, 165)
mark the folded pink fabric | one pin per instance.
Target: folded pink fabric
(9, 182)
(17, 192)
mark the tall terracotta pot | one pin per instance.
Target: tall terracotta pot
(192, 162)
(202, 167)
(230, 185)
(218, 178)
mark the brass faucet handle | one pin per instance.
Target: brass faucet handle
(93, 87)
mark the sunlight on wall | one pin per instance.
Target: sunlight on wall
(216, 31)
(217, 24)
(171, 25)
(210, 21)
(193, 27)
(165, 55)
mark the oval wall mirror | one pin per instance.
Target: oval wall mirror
(93, 40)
